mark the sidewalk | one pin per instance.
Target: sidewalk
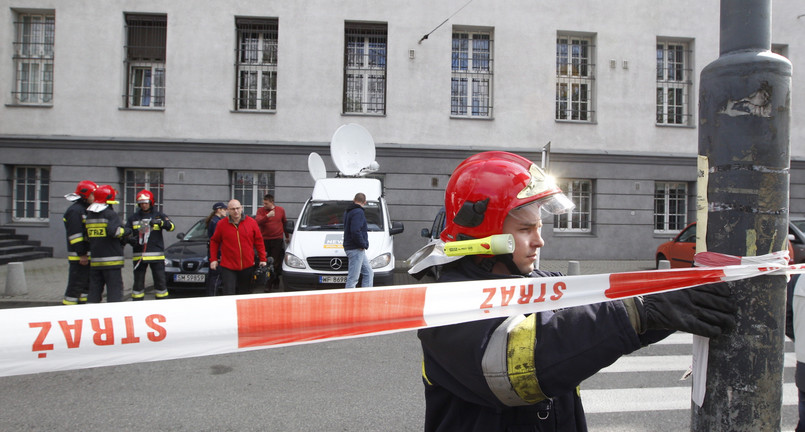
(46, 278)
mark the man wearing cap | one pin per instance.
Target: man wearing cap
(523, 372)
(214, 276)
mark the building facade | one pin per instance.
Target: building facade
(208, 100)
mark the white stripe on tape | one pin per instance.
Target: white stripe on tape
(58, 338)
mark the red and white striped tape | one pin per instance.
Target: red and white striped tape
(56, 338)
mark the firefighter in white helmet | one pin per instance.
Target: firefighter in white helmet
(148, 224)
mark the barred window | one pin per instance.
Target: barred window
(580, 191)
(135, 180)
(146, 37)
(256, 64)
(249, 187)
(471, 79)
(34, 36)
(674, 82)
(31, 194)
(670, 206)
(365, 68)
(575, 74)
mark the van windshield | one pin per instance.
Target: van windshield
(329, 216)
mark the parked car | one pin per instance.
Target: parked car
(680, 250)
(186, 262)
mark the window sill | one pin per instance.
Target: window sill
(162, 109)
(455, 117)
(587, 122)
(567, 233)
(29, 223)
(253, 111)
(672, 126)
(362, 115)
(29, 105)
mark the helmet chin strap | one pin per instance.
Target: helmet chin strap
(488, 263)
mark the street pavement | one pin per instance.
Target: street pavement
(46, 278)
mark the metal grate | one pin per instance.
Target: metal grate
(575, 73)
(146, 46)
(365, 68)
(332, 263)
(256, 64)
(33, 58)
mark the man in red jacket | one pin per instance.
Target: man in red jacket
(237, 237)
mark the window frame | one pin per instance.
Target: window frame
(254, 191)
(40, 212)
(365, 68)
(260, 67)
(34, 46)
(671, 222)
(674, 77)
(580, 219)
(472, 71)
(575, 78)
(137, 179)
(146, 57)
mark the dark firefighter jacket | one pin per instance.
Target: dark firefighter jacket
(105, 230)
(520, 373)
(157, 222)
(77, 241)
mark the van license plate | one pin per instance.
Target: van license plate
(332, 279)
(189, 278)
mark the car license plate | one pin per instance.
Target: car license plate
(332, 279)
(189, 278)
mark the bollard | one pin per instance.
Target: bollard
(15, 280)
(663, 265)
(573, 268)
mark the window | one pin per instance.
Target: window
(365, 68)
(670, 206)
(33, 58)
(31, 194)
(579, 220)
(145, 60)
(471, 80)
(136, 180)
(249, 187)
(256, 64)
(674, 81)
(575, 72)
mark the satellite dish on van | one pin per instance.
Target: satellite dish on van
(315, 166)
(352, 149)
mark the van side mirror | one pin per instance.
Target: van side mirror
(289, 226)
(424, 233)
(396, 228)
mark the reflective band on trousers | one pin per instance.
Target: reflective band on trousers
(149, 256)
(107, 261)
(508, 362)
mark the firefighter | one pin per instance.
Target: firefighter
(106, 236)
(77, 243)
(147, 225)
(523, 372)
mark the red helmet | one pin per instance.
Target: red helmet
(486, 186)
(145, 196)
(105, 194)
(85, 188)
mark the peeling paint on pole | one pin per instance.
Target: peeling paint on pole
(744, 119)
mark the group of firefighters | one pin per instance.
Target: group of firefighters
(95, 240)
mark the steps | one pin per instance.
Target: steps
(16, 247)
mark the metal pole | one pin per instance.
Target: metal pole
(744, 117)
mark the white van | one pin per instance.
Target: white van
(315, 257)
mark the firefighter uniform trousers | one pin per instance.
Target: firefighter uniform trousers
(105, 230)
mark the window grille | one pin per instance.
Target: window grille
(580, 218)
(365, 68)
(136, 180)
(575, 74)
(674, 83)
(670, 206)
(31, 194)
(471, 79)
(256, 64)
(33, 58)
(145, 60)
(249, 187)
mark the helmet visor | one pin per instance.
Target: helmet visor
(556, 204)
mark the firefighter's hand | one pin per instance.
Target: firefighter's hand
(83, 260)
(213, 265)
(157, 223)
(705, 310)
(127, 232)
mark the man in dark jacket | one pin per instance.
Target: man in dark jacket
(237, 237)
(356, 241)
(78, 243)
(149, 247)
(523, 373)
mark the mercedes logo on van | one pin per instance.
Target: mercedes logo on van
(336, 263)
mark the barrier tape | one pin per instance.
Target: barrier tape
(58, 338)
